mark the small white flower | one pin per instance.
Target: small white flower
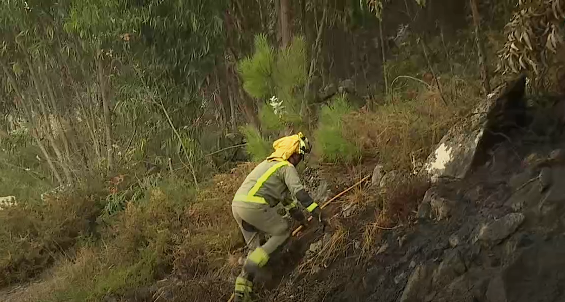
(277, 105)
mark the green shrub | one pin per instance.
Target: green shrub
(257, 147)
(332, 144)
(281, 73)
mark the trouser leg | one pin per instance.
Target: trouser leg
(264, 219)
(252, 237)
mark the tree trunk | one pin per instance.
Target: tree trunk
(107, 113)
(480, 46)
(285, 23)
(233, 121)
(181, 142)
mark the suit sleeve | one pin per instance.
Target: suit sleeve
(294, 185)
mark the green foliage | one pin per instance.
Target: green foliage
(290, 74)
(331, 141)
(257, 147)
(257, 70)
(282, 74)
(270, 122)
(290, 77)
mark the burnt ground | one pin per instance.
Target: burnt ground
(497, 235)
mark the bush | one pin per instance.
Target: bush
(257, 147)
(270, 122)
(280, 73)
(332, 144)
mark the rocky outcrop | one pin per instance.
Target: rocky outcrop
(498, 230)
(418, 284)
(465, 145)
(435, 206)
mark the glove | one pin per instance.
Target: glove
(319, 216)
(297, 215)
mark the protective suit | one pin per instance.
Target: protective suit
(273, 181)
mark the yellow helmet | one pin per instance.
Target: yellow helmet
(286, 146)
(305, 146)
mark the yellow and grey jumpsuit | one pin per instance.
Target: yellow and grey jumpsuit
(271, 182)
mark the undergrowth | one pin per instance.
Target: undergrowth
(33, 235)
(164, 233)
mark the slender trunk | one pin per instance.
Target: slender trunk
(27, 111)
(77, 143)
(233, 122)
(184, 148)
(431, 68)
(383, 54)
(480, 46)
(285, 22)
(90, 122)
(49, 132)
(47, 157)
(107, 113)
(57, 116)
(219, 100)
(316, 51)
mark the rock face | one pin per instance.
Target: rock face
(378, 174)
(418, 284)
(389, 179)
(464, 144)
(435, 206)
(450, 268)
(498, 230)
(535, 274)
(495, 291)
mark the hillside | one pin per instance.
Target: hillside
(128, 126)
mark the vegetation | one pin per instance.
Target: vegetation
(126, 126)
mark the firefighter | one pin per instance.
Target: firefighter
(273, 181)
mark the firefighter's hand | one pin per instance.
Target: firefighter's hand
(297, 215)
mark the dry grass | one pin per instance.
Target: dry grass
(400, 203)
(33, 235)
(402, 133)
(333, 247)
